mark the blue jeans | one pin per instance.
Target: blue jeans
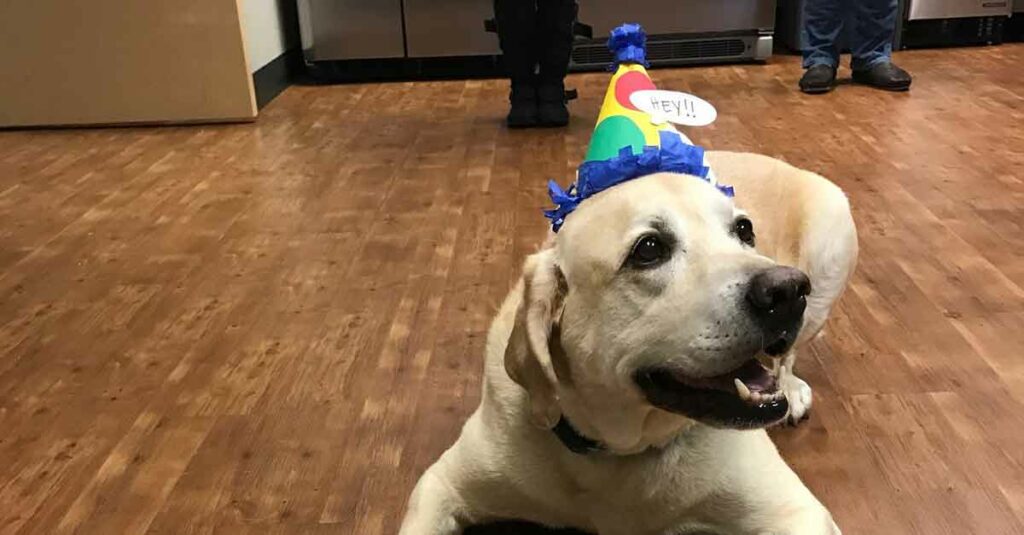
(870, 37)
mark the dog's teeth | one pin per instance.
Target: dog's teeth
(755, 398)
(742, 389)
(782, 372)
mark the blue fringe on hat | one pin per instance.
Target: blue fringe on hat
(673, 156)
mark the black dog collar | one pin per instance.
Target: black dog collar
(572, 439)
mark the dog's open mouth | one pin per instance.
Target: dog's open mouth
(745, 398)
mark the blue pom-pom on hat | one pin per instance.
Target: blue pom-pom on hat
(628, 44)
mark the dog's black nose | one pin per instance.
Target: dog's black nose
(777, 297)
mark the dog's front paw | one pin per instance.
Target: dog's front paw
(798, 394)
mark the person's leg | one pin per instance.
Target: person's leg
(822, 23)
(554, 41)
(871, 38)
(871, 45)
(517, 32)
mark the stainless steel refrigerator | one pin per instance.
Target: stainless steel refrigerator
(954, 22)
(680, 31)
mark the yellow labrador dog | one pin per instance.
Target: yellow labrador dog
(624, 390)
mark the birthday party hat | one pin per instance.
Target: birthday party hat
(628, 142)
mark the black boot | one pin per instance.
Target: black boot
(818, 78)
(517, 29)
(555, 20)
(523, 110)
(551, 108)
(884, 75)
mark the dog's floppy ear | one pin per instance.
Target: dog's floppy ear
(528, 356)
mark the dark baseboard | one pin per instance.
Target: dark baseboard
(403, 69)
(276, 76)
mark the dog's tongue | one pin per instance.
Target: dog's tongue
(755, 376)
(751, 373)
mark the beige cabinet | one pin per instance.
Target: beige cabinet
(70, 62)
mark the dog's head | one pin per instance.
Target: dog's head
(652, 297)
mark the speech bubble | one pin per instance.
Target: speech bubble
(674, 106)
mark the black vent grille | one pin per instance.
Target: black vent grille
(666, 50)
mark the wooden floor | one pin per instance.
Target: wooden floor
(274, 328)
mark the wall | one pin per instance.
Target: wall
(270, 30)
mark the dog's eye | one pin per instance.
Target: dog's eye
(648, 251)
(743, 228)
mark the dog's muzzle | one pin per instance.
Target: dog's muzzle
(747, 396)
(776, 299)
